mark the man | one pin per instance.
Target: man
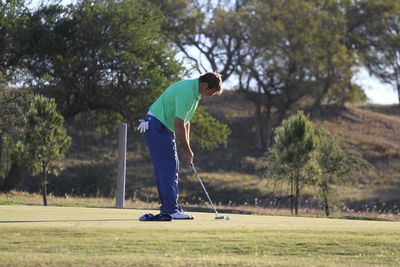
(170, 116)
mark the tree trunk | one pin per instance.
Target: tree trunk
(44, 186)
(325, 198)
(397, 77)
(2, 170)
(326, 203)
(327, 85)
(259, 129)
(291, 194)
(269, 127)
(296, 199)
(13, 179)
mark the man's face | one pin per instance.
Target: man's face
(211, 92)
(207, 91)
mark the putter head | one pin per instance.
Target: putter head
(219, 217)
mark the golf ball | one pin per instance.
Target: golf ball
(228, 217)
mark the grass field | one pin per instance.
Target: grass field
(76, 236)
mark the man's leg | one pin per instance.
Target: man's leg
(161, 143)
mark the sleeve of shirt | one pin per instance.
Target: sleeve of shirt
(182, 105)
(191, 112)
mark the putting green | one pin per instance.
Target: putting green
(104, 217)
(36, 235)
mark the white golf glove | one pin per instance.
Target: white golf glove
(143, 126)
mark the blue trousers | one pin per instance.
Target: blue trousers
(162, 146)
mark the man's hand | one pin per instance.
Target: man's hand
(182, 135)
(188, 157)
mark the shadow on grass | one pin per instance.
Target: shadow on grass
(364, 218)
(42, 221)
(392, 110)
(220, 210)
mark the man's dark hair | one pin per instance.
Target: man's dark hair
(213, 79)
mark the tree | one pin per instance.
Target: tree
(334, 64)
(45, 141)
(12, 15)
(295, 144)
(382, 58)
(335, 165)
(212, 28)
(105, 57)
(373, 32)
(105, 60)
(14, 104)
(297, 59)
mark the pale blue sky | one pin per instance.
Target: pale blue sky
(377, 92)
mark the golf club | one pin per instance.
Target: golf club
(217, 217)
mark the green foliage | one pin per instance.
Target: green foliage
(295, 143)
(336, 163)
(211, 27)
(106, 57)
(380, 52)
(207, 132)
(45, 141)
(14, 104)
(295, 140)
(336, 166)
(12, 14)
(287, 51)
(271, 166)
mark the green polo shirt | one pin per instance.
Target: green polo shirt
(179, 100)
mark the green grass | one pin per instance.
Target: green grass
(6, 202)
(70, 236)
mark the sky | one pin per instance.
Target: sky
(377, 92)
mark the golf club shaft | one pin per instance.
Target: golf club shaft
(202, 185)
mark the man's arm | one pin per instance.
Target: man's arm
(182, 134)
(187, 128)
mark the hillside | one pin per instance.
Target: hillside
(372, 130)
(229, 172)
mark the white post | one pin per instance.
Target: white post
(121, 165)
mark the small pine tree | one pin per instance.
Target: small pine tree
(295, 143)
(45, 141)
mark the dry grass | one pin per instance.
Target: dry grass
(375, 135)
(15, 197)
